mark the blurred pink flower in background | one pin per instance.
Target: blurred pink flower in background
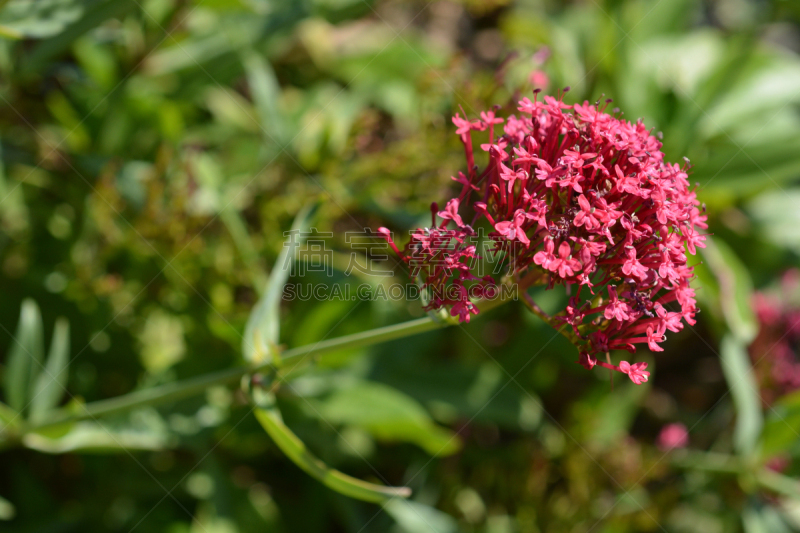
(779, 463)
(774, 350)
(673, 436)
(539, 79)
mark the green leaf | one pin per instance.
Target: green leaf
(744, 389)
(25, 357)
(97, 61)
(389, 415)
(142, 430)
(780, 428)
(729, 172)
(651, 19)
(91, 437)
(7, 511)
(52, 381)
(95, 14)
(450, 391)
(776, 215)
(776, 482)
(295, 450)
(609, 419)
(766, 87)
(265, 92)
(38, 18)
(760, 519)
(8, 417)
(735, 289)
(261, 334)
(414, 517)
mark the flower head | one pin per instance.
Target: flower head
(574, 196)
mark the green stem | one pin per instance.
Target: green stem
(779, 483)
(194, 386)
(707, 461)
(534, 308)
(721, 463)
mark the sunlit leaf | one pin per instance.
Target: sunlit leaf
(764, 90)
(262, 331)
(781, 427)
(52, 381)
(94, 14)
(295, 450)
(762, 519)
(7, 510)
(777, 217)
(779, 483)
(143, 430)
(266, 93)
(744, 388)
(735, 288)
(414, 517)
(26, 352)
(8, 417)
(38, 18)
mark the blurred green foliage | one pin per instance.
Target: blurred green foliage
(152, 154)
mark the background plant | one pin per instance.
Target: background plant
(153, 154)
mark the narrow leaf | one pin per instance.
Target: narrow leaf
(414, 517)
(25, 357)
(95, 14)
(38, 20)
(776, 215)
(735, 289)
(92, 437)
(265, 91)
(777, 482)
(52, 381)
(8, 417)
(744, 389)
(262, 331)
(780, 427)
(142, 429)
(7, 511)
(295, 450)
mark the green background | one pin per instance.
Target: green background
(155, 151)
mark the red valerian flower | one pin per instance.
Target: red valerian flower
(451, 213)
(636, 371)
(513, 229)
(577, 197)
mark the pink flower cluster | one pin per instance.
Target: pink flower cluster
(578, 197)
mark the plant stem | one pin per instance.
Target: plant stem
(707, 461)
(721, 463)
(197, 385)
(776, 482)
(534, 308)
